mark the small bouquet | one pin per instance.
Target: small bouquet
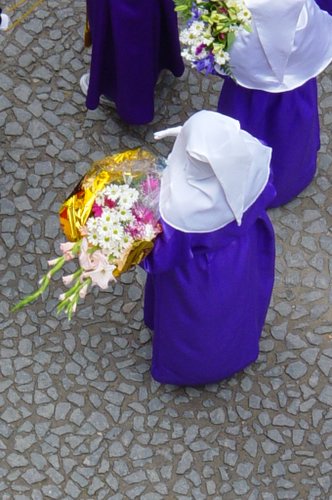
(110, 220)
(211, 29)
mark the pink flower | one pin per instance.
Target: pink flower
(110, 203)
(134, 231)
(84, 257)
(67, 246)
(68, 279)
(97, 210)
(143, 214)
(66, 250)
(83, 291)
(149, 184)
(52, 262)
(102, 274)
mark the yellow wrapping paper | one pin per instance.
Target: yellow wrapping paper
(119, 168)
(87, 34)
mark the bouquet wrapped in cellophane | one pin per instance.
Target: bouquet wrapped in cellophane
(211, 29)
(110, 221)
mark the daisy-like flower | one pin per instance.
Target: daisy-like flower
(112, 191)
(93, 232)
(125, 215)
(128, 196)
(110, 217)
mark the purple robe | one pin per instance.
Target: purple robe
(207, 296)
(132, 41)
(287, 121)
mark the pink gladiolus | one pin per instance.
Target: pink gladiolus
(84, 257)
(66, 249)
(83, 291)
(102, 273)
(68, 279)
(67, 246)
(52, 262)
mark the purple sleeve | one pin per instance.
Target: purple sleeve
(172, 248)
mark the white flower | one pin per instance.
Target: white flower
(91, 224)
(112, 191)
(128, 196)
(221, 58)
(93, 237)
(125, 215)
(188, 55)
(110, 216)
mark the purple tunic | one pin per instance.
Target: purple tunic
(132, 41)
(207, 296)
(286, 121)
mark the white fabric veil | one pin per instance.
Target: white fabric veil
(214, 173)
(290, 43)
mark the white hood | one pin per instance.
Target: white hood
(213, 175)
(290, 43)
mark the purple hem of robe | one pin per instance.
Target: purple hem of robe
(132, 41)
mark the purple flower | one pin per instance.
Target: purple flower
(206, 64)
(199, 49)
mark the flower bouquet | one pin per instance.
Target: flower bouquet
(211, 29)
(110, 220)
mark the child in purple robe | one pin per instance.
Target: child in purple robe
(211, 271)
(132, 41)
(275, 97)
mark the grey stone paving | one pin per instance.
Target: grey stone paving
(80, 416)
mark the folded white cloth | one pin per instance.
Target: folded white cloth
(290, 43)
(214, 173)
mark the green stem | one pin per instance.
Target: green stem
(45, 281)
(72, 296)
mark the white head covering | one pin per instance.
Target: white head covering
(4, 21)
(214, 173)
(290, 42)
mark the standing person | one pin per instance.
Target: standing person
(275, 98)
(211, 271)
(132, 41)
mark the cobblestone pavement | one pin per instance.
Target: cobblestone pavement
(80, 416)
